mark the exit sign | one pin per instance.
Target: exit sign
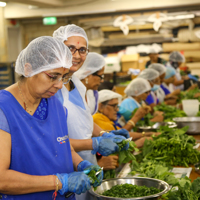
(49, 20)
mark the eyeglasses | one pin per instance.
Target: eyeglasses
(155, 81)
(100, 76)
(82, 51)
(115, 106)
(147, 92)
(56, 79)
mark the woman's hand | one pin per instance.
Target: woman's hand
(107, 144)
(140, 142)
(140, 113)
(76, 182)
(151, 134)
(108, 162)
(88, 166)
(158, 117)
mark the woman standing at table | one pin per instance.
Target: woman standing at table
(36, 156)
(86, 137)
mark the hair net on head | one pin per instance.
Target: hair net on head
(176, 56)
(106, 95)
(64, 32)
(93, 63)
(149, 74)
(137, 86)
(41, 54)
(170, 71)
(161, 69)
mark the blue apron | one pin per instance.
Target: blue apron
(39, 147)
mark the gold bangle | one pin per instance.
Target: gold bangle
(143, 133)
(131, 122)
(101, 133)
(57, 183)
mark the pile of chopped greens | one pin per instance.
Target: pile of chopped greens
(173, 146)
(128, 190)
(170, 112)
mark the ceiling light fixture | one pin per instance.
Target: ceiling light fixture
(2, 4)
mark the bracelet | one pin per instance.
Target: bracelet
(56, 187)
(143, 134)
(57, 183)
(101, 133)
(131, 122)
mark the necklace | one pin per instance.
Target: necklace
(25, 104)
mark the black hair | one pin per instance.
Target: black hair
(106, 85)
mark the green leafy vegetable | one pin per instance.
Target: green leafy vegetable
(145, 121)
(125, 156)
(173, 146)
(128, 190)
(170, 112)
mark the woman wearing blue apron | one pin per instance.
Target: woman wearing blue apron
(85, 136)
(37, 161)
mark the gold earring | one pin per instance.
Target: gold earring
(86, 81)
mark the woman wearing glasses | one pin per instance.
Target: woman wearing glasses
(107, 115)
(91, 75)
(36, 156)
(85, 136)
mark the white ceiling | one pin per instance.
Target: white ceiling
(21, 8)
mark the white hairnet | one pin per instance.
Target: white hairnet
(64, 32)
(137, 86)
(155, 48)
(106, 95)
(149, 74)
(41, 54)
(160, 68)
(176, 56)
(170, 71)
(93, 63)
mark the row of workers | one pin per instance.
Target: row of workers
(58, 84)
(40, 134)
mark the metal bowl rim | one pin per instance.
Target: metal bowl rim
(186, 119)
(146, 197)
(169, 124)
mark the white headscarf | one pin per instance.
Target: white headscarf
(93, 63)
(137, 86)
(41, 54)
(106, 95)
(64, 32)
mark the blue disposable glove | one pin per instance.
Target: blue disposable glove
(87, 166)
(192, 77)
(77, 182)
(122, 132)
(107, 144)
(118, 139)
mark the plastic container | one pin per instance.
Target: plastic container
(190, 107)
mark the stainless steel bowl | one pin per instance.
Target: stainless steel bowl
(140, 181)
(197, 166)
(157, 126)
(192, 122)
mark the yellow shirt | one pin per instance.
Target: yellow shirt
(104, 122)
